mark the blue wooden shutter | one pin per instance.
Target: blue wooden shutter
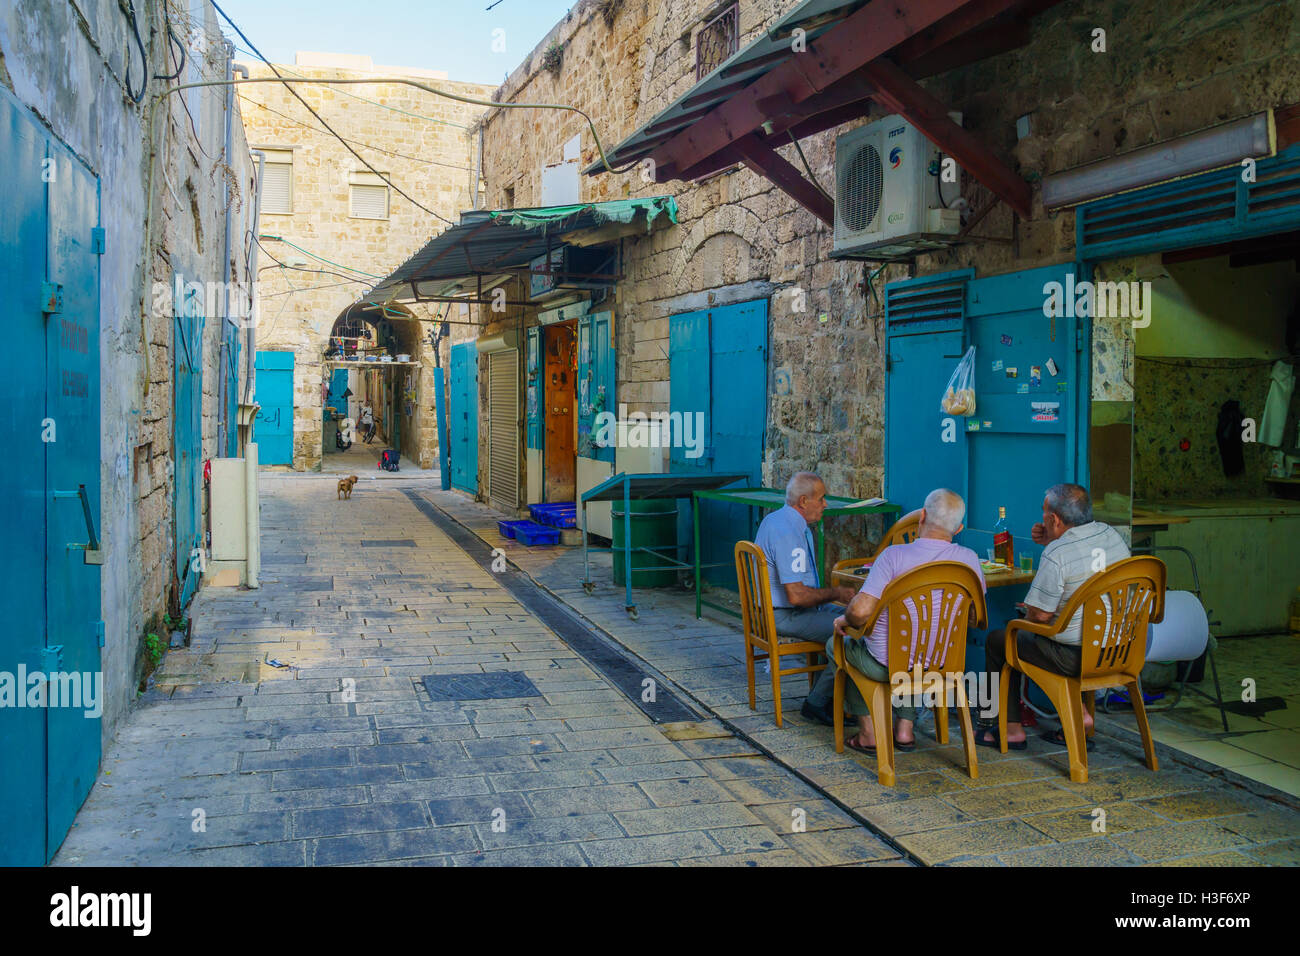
(536, 432)
(1199, 210)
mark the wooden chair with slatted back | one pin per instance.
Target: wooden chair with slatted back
(929, 610)
(1117, 606)
(760, 627)
(902, 531)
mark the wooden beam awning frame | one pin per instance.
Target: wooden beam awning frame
(875, 55)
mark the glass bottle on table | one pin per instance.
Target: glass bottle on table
(1003, 552)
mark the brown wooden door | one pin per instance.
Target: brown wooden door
(560, 368)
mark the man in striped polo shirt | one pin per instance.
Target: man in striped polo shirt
(1077, 547)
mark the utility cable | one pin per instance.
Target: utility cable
(306, 252)
(129, 13)
(446, 94)
(804, 159)
(357, 96)
(172, 39)
(397, 189)
(378, 149)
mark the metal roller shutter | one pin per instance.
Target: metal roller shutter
(369, 202)
(503, 428)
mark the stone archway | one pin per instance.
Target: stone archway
(399, 392)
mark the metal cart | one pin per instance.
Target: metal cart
(628, 488)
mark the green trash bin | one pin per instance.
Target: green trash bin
(653, 525)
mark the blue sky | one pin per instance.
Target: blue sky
(451, 35)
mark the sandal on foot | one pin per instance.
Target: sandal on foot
(907, 747)
(853, 744)
(1057, 738)
(996, 742)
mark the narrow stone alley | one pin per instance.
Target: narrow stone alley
(343, 757)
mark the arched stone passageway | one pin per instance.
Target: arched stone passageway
(376, 355)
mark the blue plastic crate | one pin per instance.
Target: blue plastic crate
(531, 534)
(507, 528)
(558, 514)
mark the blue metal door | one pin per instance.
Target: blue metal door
(73, 627)
(1025, 434)
(273, 427)
(596, 384)
(234, 348)
(49, 214)
(187, 439)
(22, 266)
(718, 377)
(462, 419)
(924, 448)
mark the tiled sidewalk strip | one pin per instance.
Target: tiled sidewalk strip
(1023, 808)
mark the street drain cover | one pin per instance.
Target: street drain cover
(496, 685)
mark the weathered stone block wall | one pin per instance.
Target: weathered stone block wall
(1167, 71)
(422, 143)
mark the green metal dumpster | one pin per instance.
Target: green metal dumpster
(653, 526)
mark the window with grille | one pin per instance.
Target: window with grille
(717, 40)
(369, 196)
(277, 182)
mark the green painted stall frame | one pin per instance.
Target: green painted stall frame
(770, 499)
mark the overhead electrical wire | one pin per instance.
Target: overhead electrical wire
(364, 99)
(307, 252)
(356, 142)
(397, 189)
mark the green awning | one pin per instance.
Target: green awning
(488, 242)
(598, 213)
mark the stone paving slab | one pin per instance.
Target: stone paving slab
(1021, 809)
(343, 759)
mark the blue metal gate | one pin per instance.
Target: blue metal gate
(273, 427)
(187, 438)
(462, 418)
(718, 375)
(50, 241)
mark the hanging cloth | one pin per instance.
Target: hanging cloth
(1280, 389)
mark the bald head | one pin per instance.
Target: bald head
(944, 511)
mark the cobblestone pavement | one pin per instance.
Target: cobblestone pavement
(342, 758)
(1022, 809)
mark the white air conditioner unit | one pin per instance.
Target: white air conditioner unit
(888, 202)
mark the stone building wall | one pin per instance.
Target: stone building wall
(422, 143)
(78, 87)
(1166, 71)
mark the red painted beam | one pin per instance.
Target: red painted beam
(901, 94)
(860, 38)
(763, 160)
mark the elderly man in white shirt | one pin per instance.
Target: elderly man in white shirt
(1074, 542)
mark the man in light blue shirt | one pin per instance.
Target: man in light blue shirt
(801, 607)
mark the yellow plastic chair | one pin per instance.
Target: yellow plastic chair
(760, 627)
(938, 635)
(902, 531)
(1117, 606)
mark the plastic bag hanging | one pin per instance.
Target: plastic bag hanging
(959, 399)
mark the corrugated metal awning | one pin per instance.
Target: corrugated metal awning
(820, 66)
